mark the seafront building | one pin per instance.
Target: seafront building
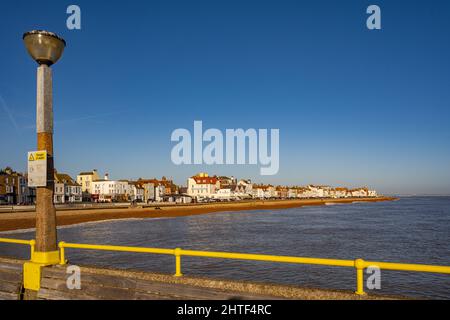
(202, 187)
(136, 191)
(154, 192)
(106, 190)
(231, 189)
(158, 190)
(227, 182)
(66, 190)
(13, 188)
(85, 179)
(261, 191)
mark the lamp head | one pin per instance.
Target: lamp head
(43, 46)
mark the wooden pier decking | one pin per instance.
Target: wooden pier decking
(10, 279)
(113, 284)
(127, 287)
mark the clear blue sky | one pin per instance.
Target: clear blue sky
(354, 107)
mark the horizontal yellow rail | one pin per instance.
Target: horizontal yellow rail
(408, 267)
(268, 258)
(63, 245)
(31, 243)
(358, 264)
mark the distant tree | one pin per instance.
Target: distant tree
(7, 170)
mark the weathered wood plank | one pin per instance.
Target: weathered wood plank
(8, 296)
(145, 287)
(89, 289)
(104, 286)
(53, 284)
(10, 277)
(47, 294)
(139, 295)
(182, 291)
(129, 286)
(6, 266)
(109, 292)
(56, 288)
(54, 271)
(191, 292)
(92, 278)
(108, 281)
(10, 287)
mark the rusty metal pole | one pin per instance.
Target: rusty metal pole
(46, 48)
(45, 210)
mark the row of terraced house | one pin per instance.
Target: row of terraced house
(91, 187)
(88, 187)
(104, 189)
(14, 189)
(203, 187)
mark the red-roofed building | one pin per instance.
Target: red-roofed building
(202, 186)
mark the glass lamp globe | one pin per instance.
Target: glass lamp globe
(43, 46)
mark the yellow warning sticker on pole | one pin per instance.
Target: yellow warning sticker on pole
(37, 169)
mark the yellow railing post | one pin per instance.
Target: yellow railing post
(32, 247)
(178, 263)
(62, 255)
(359, 265)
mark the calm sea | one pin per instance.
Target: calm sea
(411, 230)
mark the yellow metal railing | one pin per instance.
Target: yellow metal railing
(31, 243)
(358, 264)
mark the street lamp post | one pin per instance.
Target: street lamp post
(45, 48)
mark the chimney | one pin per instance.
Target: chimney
(106, 176)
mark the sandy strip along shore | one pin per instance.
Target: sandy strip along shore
(26, 220)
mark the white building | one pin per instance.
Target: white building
(292, 193)
(136, 192)
(66, 190)
(245, 188)
(263, 191)
(178, 198)
(110, 190)
(154, 192)
(360, 192)
(202, 186)
(319, 191)
(339, 193)
(224, 194)
(305, 193)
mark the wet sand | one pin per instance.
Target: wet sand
(27, 220)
